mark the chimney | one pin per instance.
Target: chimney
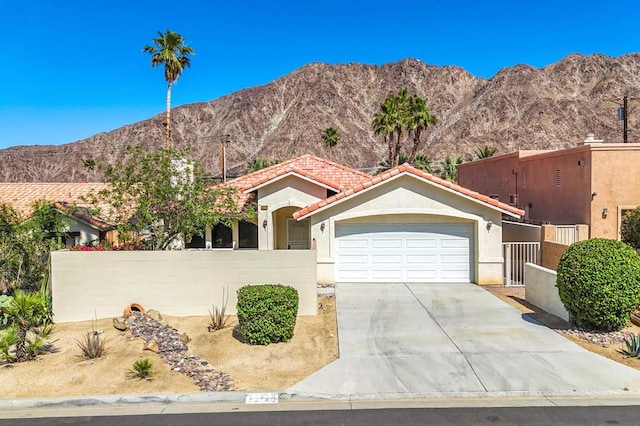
(590, 140)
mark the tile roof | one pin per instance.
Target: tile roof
(324, 172)
(22, 195)
(406, 169)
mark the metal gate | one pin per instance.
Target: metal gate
(516, 255)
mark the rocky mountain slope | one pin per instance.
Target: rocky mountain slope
(521, 107)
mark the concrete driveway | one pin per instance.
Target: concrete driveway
(446, 340)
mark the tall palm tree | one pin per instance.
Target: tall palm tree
(485, 152)
(392, 120)
(169, 50)
(419, 119)
(383, 125)
(331, 137)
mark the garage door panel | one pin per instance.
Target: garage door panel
(403, 252)
(421, 259)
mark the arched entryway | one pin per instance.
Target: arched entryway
(289, 233)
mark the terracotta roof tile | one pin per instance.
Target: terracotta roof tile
(22, 195)
(405, 168)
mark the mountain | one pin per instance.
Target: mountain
(521, 107)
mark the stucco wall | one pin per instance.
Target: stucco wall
(541, 290)
(409, 200)
(616, 180)
(520, 232)
(551, 253)
(290, 191)
(180, 283)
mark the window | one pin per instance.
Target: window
(222, 236)
(558, 177)
(197, 241)
(247, 235)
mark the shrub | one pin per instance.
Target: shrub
(631, 347)
(630, 229)
(267, 313)
(599, 283)
(92, 344)
(142, 369)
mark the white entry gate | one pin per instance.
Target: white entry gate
(516, 255)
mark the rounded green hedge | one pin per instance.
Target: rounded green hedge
(599, 283)
(267, 313)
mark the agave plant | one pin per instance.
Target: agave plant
(631, 346)
(92, 344)
(218, 314)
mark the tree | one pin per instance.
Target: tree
(161, 197)
(449, 168)
(402, 114)
(419, 119)
(169, 50)
(259, 164)
(331, 137)
(485, 152)
(421, 162)
(30, 327)
(630, 229)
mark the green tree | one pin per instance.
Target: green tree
(259, 164)
(401, 114)
(330, 137)
(422, 162)
(419, 119)
(168, 49)
(630, 229)
(485, 152)
(30, 327)
(162, 197)
(449, 168)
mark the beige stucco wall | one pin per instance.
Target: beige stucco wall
(181, 283)
(616, 180)
(541, 290)
(290, 191)
(409, 200)
(520, 232)
(550, 254)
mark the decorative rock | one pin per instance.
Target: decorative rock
(154, 314)
(184, 338)
(120, 323)
(151, 345)
(173, 351)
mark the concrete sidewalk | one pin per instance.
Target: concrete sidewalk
(454, 340)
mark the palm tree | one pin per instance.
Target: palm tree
(331, 137)
(422, 162)
(485, 152)
(449, 168)
(419, 119)
(169, 50)
(390, 121)
(260, 163)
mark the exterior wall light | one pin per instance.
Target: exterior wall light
(264, 224)
(322, 227)
(489, 225)
(605, 213)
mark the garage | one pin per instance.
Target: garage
(427, 253)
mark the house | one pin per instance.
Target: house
(593, 183)
(80, 226)
(403, 225)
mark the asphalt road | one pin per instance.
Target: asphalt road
(583, 416)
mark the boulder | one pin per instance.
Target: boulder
(120, 323)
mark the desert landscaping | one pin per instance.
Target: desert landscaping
(274, 367)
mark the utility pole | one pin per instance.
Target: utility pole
(623, 110)
(226, 139)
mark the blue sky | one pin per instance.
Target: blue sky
(71, 69)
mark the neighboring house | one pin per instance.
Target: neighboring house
(403, 225)
(81, 228)
(593, 183)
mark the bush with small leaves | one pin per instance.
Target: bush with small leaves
(267, 313)
(599, 283)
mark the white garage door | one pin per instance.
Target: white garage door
(438, 253)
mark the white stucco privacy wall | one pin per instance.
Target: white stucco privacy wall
(181, 283)
(541, 290)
